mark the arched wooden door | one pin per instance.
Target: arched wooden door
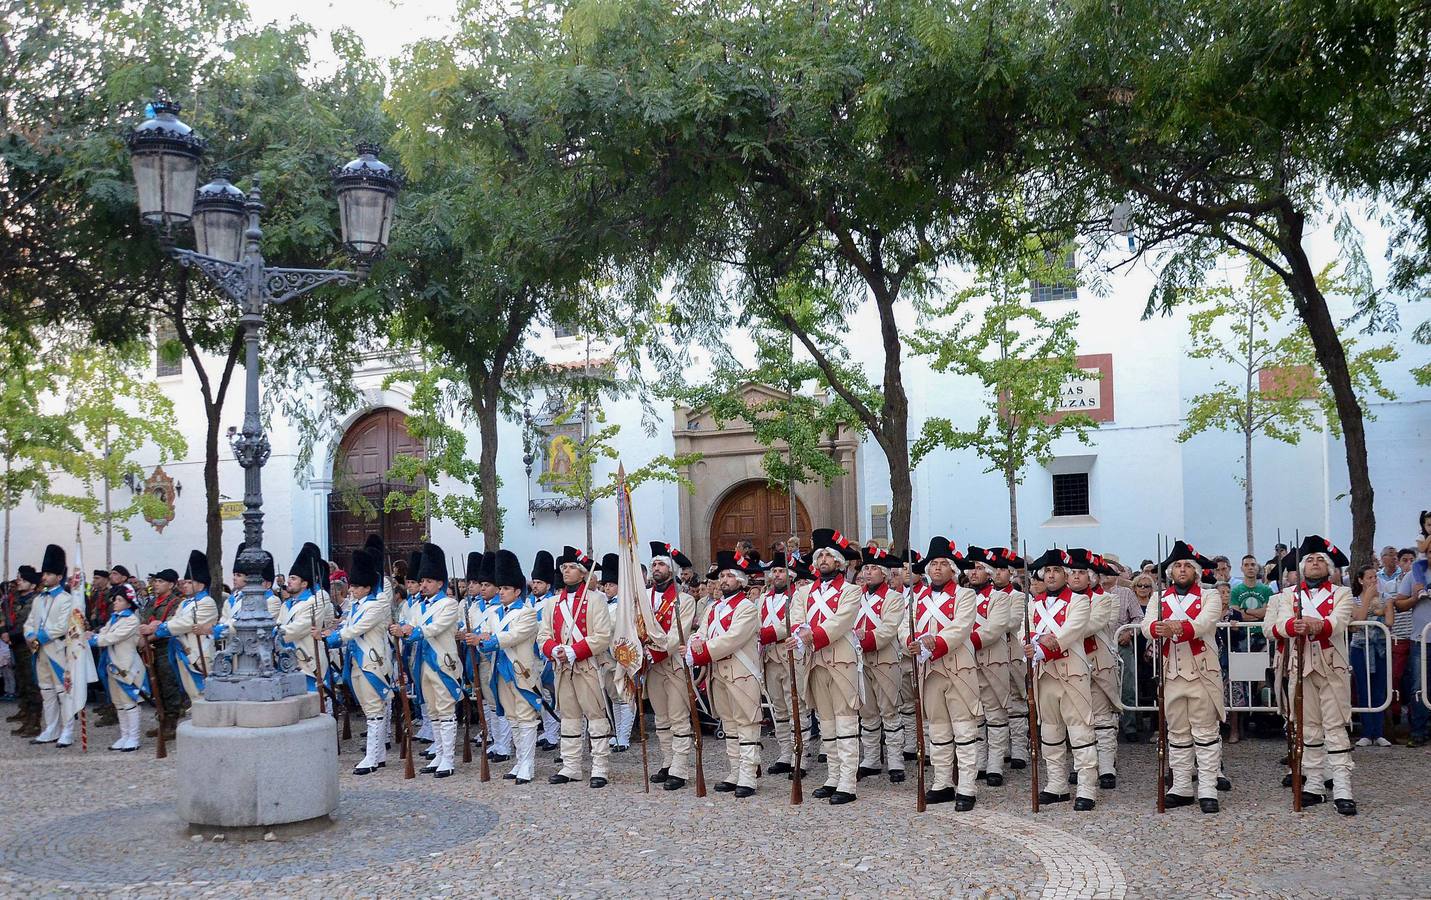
(360, 487)
(758, 513)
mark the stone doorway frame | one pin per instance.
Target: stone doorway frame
(731, 456)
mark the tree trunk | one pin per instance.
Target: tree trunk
(487, 480)
(1012, 484)
(1247, 487)
(1331, 355)
(901, 483)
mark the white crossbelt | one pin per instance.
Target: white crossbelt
(716, 627)
(772, 610)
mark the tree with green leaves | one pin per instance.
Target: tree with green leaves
(1275, 389)
(1023, 359)
(1200, 127)
(112, 412)
(74, 78)
(444, 461)
(772, 137)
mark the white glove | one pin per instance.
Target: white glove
(924, 656)
(1039, 653)
(690, 659)
(563, 655)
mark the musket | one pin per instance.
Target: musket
(1298, 740)
(405, 747)
(1030, 688)
(797, 791)
(347, 698)
(146, 653)
(1162, 694)
(474, 699)
(919, 800)
(637, 684)
(695, 708)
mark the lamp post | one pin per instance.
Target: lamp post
(166, 155)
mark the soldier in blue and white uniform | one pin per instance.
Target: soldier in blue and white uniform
(432, 632)
(122, 670)
(368, 660)
(422, 728)
(482, 591)
(48, 633)
(540, 585)
(191, 649)
(508, 645)
(228, 612)
(302, 613)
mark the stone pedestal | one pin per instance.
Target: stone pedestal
(251, 764)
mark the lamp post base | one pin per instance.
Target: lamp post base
(255, 764)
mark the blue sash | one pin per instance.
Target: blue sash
(381, 687)
(178, 656)
(106, 667)
(425, 656)
(502, 668)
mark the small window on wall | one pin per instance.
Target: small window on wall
(1062, 285)
(1070, 494)
(562, 330)
(879, 522)
(166, 360)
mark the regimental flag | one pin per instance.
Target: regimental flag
(635, 622)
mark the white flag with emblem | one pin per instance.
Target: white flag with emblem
(634, 621)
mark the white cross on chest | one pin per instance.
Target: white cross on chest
(772, 610)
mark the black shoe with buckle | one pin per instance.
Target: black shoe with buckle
(939, 795)
(497, 757)
(510, 776)
(1173, 801)
(1209, 804)
(839, 798)
(863, 771)
(1225, 784)
(1018, 764)
(1345, 807)
(994, 779)
(521, 781)
(724, 787)
(1051, 797)
(673, 783)
(1311, 799)
(963, 803)
(741, 791)
(559, 778)
(1108, 781)
(1083, 804)
(661, 775)
(780, 768)
(428, 769)
(597, 781)
(823, 792)
(896, 776)
(442, 773)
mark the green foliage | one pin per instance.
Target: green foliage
(444, 460)
(1242, 326)
(1021, 357)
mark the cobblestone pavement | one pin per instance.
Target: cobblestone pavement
(102, 824)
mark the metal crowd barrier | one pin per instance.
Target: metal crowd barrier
(1252, 667)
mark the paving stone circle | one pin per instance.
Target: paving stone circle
(147, 845)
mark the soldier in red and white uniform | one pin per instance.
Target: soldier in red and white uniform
(1311, 616)
(901, 579)
(1182, 624)
(1059, 618)
(944, 616)
(822, 621)
(1104, 667)
(667, 678)
(991, 654)
(1016, 741)
(728, 641)
(575, 632)
(774, 631)
(882, 611)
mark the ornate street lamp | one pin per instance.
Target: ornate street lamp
(166, 155)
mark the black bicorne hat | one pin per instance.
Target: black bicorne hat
(1181, 551)
(876, 557)
(507, 570)
(1054, 557)
(682, 561)
(544, 567)
(197, 569)
(735, 561)
(570, 554)
(1004, 558)
(1315, 543)
(54, 561)
(829, 538)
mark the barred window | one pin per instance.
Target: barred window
(1064, 285)
(1070, 494)
(166, 363)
